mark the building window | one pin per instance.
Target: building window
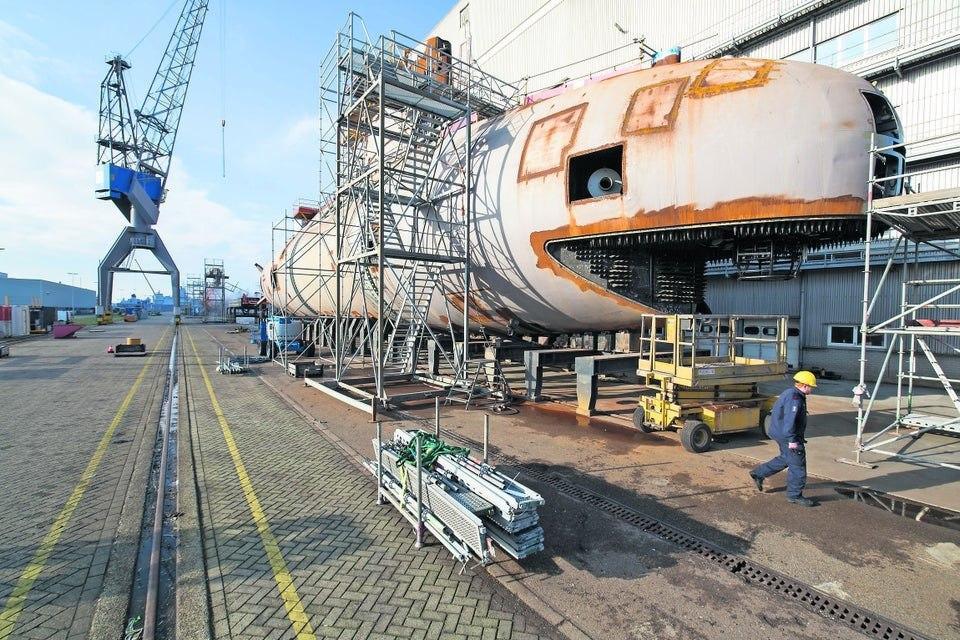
(870, 39)
(841, 334)
(802, 56)
(848, 335)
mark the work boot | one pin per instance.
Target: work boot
(757, 480)
(802, 501)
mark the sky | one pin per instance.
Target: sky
(257, 68)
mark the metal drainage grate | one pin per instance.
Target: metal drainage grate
(848, 614)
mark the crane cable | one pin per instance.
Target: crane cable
(223, 89)
(152, 290)
(150, 30)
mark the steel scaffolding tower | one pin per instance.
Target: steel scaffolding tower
(294, 237)
(928, 318)
(214, 291)
(194, 291)
(397, 178)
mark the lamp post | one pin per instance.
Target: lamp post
(73, 308)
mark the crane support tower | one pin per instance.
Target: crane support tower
(134, 150)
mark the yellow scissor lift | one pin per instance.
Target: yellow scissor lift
(701, 374)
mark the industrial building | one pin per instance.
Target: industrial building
(909, 50)
(44, 293)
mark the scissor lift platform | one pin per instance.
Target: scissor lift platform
(701, 374)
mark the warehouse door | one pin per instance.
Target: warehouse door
(768, 351)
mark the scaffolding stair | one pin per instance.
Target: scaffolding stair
(410, 321)
(938, 370)
(482, 377)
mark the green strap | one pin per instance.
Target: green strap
(431, 448)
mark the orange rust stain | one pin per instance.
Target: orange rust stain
(479, 312)
(654, 107)
(724, 68)
(540, 142)
(743, 209)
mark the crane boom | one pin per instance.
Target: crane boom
(159, 117)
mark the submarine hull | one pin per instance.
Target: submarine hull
(605, 201)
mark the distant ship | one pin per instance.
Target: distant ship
(597, 203)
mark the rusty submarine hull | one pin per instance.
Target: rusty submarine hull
(596, 203)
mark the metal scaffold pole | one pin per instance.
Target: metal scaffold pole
(868, 239)
(468, 222)
(380, 353)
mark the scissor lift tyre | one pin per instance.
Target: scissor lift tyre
(696, 436)
(639, 417)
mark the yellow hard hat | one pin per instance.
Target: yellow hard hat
(805, 377)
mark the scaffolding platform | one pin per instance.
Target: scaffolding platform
(932, 215)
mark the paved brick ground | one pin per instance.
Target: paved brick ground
(57, 399)
(353, 563)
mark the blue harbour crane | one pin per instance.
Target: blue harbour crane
(134, 150)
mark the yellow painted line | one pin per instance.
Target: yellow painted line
(18, 598)
(288, 591)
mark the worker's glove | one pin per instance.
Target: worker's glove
(793, 445)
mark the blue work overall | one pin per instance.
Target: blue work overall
(788, 423)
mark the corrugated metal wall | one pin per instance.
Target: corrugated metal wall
(518, 39)
(927, 98)
(835, 296)
(851, 15)
(539, 43)
(48, 294)
(943, 174)
(788, 42)
(830, 296)
(726, 295)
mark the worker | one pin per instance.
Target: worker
(788, 424)
(263, 339)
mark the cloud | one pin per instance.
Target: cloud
(16, 55)
(303, 133)
(51, 224)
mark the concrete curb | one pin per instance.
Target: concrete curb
(510, 581)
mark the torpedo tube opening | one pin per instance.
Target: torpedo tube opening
(596, 174)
